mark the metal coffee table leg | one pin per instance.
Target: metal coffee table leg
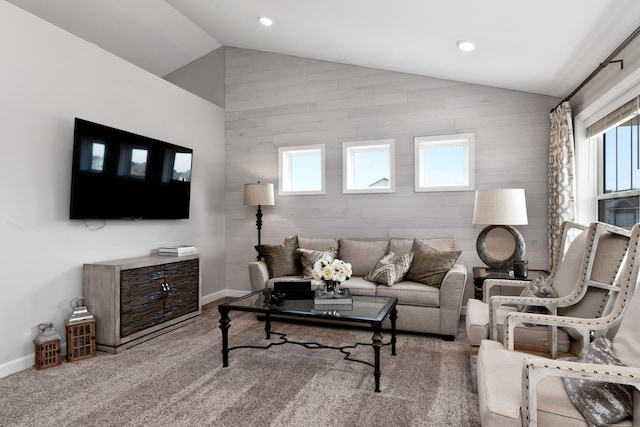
(377, 343)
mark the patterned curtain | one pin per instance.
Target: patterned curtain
(562, 187)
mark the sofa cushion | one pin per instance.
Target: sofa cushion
(308, 258)
(363, 255)
(318, 244)
(403, 246)
(412, 293)
(600, 403)
(429, 266)
(282, 260)
(359, 286)
(390, 269)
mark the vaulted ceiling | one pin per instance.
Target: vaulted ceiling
(540, 46)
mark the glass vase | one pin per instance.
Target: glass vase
(331, 287)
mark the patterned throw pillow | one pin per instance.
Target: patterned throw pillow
(538, 288)
(281, 260)
(429, 266)
(309, 257)
(390, 269)
(600, 403)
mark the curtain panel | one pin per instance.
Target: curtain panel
(562, 187)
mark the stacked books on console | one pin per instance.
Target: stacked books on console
(177, 250)
(339, 301)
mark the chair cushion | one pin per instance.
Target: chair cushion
(357, 286)
(281, 260)
(429, 265)
(390, 269)
(363, 255)
(600, 403)
(569, 271)
(500, 391)
(477, 321)
(526, 337)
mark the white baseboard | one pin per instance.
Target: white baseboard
(206, 299)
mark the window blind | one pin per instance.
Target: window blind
(615, 118)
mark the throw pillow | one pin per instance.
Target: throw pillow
(538, 288)
(429, 266)
(390, 269)
(282, 260)
(308, 257)
(600, 403)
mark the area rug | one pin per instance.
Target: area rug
(177, 379)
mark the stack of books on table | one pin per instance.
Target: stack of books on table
(341, 301)
(177, 250)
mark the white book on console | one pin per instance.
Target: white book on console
(177, 250)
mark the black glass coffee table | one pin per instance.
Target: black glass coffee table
(369, 310)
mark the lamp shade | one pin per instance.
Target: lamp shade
(502, 206)
(259, 194)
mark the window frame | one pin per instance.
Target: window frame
(349, 169)
(467, 140)
(284, 169)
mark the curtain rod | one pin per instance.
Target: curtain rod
(602, 65)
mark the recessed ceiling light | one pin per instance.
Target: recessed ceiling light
(266, 21)
(466, 46)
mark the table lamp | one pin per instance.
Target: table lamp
(259, 195)
(500, 208)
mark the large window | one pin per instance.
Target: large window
(444, 163)
(301, 170)
(368, 167)
(618, 194)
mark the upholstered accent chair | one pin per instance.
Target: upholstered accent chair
(516, 388)
(583, 282)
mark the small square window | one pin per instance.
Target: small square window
(444, 163)
(301, 170)
(368, 166)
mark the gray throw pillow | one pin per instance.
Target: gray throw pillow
(390, 269)
(429, 266)
(600, 403)
(538, 288)
(282, 260)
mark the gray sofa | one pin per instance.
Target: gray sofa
(428, 308)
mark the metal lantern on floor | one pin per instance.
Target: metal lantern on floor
(47, 346)
(81, 332)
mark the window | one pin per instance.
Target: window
(92, 156)
(133, 162)
(301, 170)
(619, 173)
(368, 167)
(444, 163)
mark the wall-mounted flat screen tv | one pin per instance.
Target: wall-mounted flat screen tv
(122, 175)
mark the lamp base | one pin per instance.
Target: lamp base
(500, 264)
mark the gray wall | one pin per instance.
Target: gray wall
(203, 77)
(276, 100)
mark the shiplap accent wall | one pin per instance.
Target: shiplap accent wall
(275, 100)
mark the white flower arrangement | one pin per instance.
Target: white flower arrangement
(336, 271)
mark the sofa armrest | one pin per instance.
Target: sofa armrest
(451, 294)
(258, 275)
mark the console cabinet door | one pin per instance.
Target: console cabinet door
(142, 299)
(182, 296)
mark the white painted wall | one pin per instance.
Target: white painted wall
(47, 78)
(276, 100)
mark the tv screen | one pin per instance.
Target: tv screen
(122, 175)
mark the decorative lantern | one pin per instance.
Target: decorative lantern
(81, 332)
(47, 345)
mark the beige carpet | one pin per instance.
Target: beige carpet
(177, 380)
